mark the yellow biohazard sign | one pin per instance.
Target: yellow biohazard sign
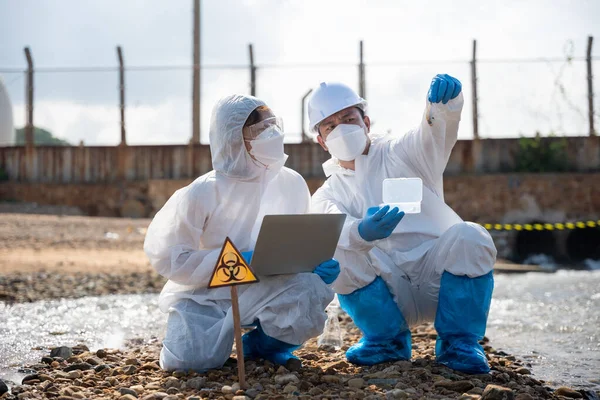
(231, 268)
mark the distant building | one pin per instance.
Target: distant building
(7, 127)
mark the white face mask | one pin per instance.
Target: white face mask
(267, 148)
(346, 142)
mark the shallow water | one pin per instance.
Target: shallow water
(552, 321)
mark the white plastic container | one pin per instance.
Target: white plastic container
(404, 193)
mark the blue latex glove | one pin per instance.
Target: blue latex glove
(328, 271)
(379, 223)
(443, 88)
(247, 256)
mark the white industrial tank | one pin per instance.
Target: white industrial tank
(7, 128)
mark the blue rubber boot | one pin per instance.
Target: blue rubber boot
(460, 321)
(257, 344)
(386, 336)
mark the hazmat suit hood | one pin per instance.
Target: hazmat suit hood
(229, 154)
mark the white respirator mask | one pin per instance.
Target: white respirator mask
(267, 148)
(347, 141)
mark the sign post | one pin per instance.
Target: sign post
(232, 270)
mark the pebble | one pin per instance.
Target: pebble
(466, 396)
(128, 397)
(568, 392)
(151, 366)
(153, 386)
(227, 389)
(75, 374)
(289, 388)
(139, 389)
(252, 393)
(495, 392)
(172, 382)
(62, 352)
(456, 386)
(395, 394)
(129, 369)
(128, 391)
(196, 383)
(132, 361)
(30, 379)
(524, 396)
(77, 366)
(523, 371)
(285, 379)
(357, 383)
(330, 379)
(3, 387)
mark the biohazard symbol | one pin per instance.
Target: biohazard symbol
(231, 268)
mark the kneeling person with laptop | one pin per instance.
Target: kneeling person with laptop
(185, 237)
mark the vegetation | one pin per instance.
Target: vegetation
(40, 137)
(538, 154)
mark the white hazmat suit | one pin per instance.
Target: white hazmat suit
(412, 259)
(185, 237)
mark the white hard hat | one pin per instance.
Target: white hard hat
(329, 98)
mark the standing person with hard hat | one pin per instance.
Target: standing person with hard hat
(431, 266)
(185, 238)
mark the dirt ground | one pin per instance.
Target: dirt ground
(71, 244)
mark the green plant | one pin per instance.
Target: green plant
(539, 154)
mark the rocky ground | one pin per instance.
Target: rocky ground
(75, 373)
(47, 256)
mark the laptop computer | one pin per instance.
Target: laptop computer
(290, 244)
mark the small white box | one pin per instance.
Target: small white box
(404, 193)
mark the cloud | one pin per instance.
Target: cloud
(514, 98)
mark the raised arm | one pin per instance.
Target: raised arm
(427, 148)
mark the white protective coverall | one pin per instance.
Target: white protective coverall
(412, 259)
(185, 237)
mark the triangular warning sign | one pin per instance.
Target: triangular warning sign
(231, 268)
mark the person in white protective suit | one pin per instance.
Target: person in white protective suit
(400, 270)
(185, 237)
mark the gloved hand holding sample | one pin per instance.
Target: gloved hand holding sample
(379, 223)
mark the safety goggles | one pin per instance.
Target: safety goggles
(251, 132)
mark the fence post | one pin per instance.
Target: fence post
(590, 86)
(252, 71)
(29, 127)
(474, 86)
(361, 74)
(122, 94)
(196, 76)
(305, 137)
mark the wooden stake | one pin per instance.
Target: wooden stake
(238, 337)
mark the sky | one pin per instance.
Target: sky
(297, 44)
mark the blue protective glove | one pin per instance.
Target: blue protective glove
(328, 271)
(379, 223)
(443, 88)
(247, 256)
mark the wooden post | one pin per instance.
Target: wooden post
(252, 71)
(305, 137)
(474, 86)
(238, 337)
(590, 86)
(361, 74)
(196, 76)
(122, 94)
(29, 128)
